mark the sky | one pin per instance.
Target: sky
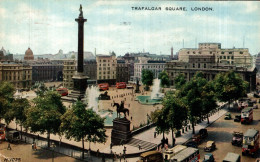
(46, 26)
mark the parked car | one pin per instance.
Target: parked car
(203, 133)
(208, 157)
(237, 118)
(192, 144)
(227, 116)
(12, 136)
(237, 139)
(210, 146)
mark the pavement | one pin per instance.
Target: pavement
(148, 136)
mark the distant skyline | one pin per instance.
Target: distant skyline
(46, 26)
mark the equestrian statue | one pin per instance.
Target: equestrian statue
(120, 108)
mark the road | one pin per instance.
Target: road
(221, 132)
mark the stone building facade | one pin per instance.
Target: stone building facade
(155, 66)
(90, 69)
(19, 74)
(239, 57)
(123, 71)
(106, 68)
(207, 65)
(46, 70)
(68, 71)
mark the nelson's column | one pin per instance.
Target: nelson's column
(79, 79)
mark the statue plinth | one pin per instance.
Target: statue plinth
(121, 133)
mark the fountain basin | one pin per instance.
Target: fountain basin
(109, 117)
(146, 100)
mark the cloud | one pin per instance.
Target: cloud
(249, 6)
(112, 27)
(3, 12)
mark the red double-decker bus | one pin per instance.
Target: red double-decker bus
(62, 91)
(120, 85)
(103, 86)
(247, 115)
(250, 142)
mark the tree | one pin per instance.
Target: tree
(159, 117)
(177, 112)
(179, 81)
(41, 89)
(165, 81)
(83, 124)
(45, 115)
(229, 86)
(208, 99)
(147, 78)
(192, 97)
(17, 112)
(6, 98)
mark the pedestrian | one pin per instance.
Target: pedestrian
(103, 158)
(131, 117)
(9, 147)
(35, 146)
(139, 146)
(97, 152)
(32, 146)
(111, 145)
(155, 134)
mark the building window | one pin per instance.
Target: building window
(220, 57)
(210, 52)
(241, 52)
(222, 52)
(193, 65)
(204, 65)
(232, 57)
(188, 52)
(224, 57)
(198, 65)
(193, 52)
(228, 57)
(230, 52)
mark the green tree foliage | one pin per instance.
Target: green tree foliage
(6, 98)
(177, 112)
(45, 115)
(162, 125)
(83, 124)
(208, 99)
(165, 81)
(17, 112)
(179, 81)
(192, 97)
(229, 86)
(41, 89)
(147, 78)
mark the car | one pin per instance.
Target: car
(208, 157)
(237, 118)
(203, 133)
(13, 136)
(227, 116)
(237, 138)
(192, 144)
(210, 146)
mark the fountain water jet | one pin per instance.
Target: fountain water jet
(92, 94)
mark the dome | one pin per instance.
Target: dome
(28, 55)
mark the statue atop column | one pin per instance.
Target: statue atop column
(80, 10)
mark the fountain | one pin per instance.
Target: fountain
(156, 96)
(92, 94)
